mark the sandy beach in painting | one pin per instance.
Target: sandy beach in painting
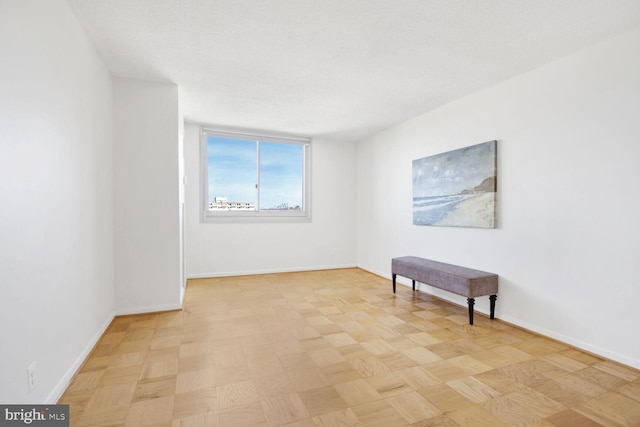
(460, 210)
(477, 211)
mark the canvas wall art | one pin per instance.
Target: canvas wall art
(456, 188)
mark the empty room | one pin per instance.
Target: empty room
(319, 212)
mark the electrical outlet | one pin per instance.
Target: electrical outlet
(32, 376)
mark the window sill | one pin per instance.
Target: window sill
(251, 217)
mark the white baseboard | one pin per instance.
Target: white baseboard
(143, 310)
(590, 348)
(64, 382)
(386, 274)
(268, 271)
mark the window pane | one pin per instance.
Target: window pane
(232, 173)
(281, 176)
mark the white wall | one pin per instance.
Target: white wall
(147, 200)
(328, 241)
(56, 198)
(181, 211)
(568, 235)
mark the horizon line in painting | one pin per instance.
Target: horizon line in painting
(456, 188)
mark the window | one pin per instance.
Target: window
(248, 175)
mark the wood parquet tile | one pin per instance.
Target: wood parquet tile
(338, 348)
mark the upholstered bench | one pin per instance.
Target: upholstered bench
(459, 280)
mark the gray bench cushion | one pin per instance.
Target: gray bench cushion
(459, 280)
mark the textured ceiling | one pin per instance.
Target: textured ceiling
(343, 69)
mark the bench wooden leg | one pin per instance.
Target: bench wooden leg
(471, 303)
(413, 284)
(492, 299)
(393, 276)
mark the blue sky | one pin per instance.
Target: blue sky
(232, 171)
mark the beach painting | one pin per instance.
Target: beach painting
(456, 188)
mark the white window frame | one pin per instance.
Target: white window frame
(303, 215)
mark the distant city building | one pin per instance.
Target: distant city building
(222, 204)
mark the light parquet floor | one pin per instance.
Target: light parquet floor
(338, 348)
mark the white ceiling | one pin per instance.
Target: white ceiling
(341, 69)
